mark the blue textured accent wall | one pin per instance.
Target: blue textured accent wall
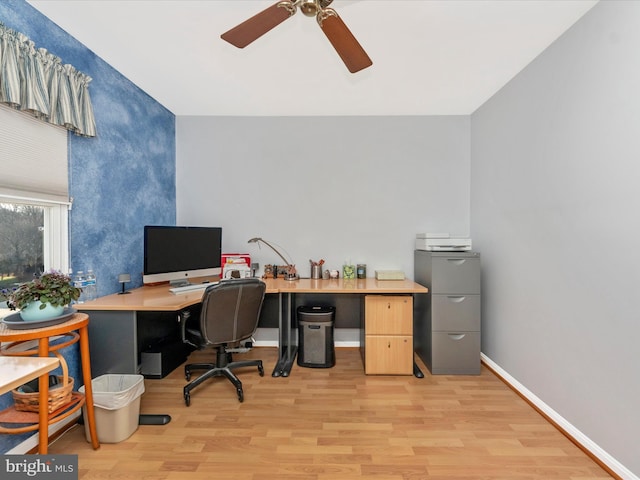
(120, 180)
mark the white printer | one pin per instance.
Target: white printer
(442, 242)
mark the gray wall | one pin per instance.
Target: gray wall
(337, 188)
(554, 193)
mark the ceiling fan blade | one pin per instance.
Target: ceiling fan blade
(351, 52)
(253, 28)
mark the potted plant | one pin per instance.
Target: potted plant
(42, 298)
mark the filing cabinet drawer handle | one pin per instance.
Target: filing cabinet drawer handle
(456, 261)
(456, 336)
(456, 298)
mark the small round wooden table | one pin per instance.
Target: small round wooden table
(78, 322)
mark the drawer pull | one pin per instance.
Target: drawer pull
(389, 305)
(456, 261)
(456, 336)
(389, 345)
(456, 299)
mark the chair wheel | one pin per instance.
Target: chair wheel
(261, 370)
(240, 395)
(187, 399)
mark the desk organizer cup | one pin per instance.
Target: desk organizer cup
(316, 271)
(59, 395)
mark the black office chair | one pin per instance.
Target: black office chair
(230, 313)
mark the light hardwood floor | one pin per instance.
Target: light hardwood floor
(336, 424)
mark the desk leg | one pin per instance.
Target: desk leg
(43, 398)
(277, 370)
(292, 343)
(288, 347)
(88, 388)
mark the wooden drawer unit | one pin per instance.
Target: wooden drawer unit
(388, 314)
(388, 355)
(388, 335)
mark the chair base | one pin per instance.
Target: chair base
(223, 367)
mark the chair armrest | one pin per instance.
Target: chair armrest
(183, 316)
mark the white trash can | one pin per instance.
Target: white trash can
(116, 402)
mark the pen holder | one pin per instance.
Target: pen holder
(316, 271)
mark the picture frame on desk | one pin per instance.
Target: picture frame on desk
(268, 271)
(275, 271)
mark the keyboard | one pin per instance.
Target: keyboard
(192, 287)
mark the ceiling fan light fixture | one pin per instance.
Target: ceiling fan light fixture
(309, 7)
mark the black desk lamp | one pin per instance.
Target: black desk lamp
(291, 269)
(124, 278)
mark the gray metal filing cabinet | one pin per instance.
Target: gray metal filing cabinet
(446, 329)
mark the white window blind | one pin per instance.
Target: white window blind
(33, 157)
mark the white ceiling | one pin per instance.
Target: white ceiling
(430, 57)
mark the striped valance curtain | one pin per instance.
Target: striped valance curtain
(36, 81)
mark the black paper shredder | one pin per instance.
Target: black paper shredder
(316, 347)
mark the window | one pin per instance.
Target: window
(34, 202)
(21, 241)
(33, 239)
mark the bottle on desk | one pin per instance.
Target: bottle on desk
(80, 281)
(91, 286)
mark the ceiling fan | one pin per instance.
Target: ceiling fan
(351, 52)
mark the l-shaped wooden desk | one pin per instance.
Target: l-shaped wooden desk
(116, 329)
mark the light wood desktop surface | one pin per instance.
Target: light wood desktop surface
(341, 285)
(149, 298)
(159, 298)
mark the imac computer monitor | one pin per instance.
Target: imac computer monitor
(176, 254)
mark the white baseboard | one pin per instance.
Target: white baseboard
(562, 423)
(343, 337)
